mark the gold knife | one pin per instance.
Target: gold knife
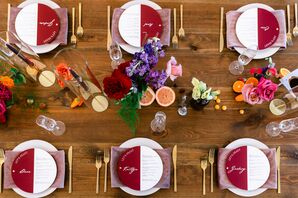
(221, 36)
(278, 168)
(174, 156)
(70, 168)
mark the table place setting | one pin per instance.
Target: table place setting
(247, 167)
(34, 168)
(139, 166)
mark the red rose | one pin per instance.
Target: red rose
(117, 86)
(122, 67)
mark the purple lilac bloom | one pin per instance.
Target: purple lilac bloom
(143, 63)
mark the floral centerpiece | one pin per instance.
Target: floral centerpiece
(259, 88)
(6, 99)
(130, 80)
(201, 94)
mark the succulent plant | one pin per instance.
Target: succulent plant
(201, 91)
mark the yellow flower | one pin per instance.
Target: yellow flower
(7, 81)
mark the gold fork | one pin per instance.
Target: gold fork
(80, 30)
(211, 161)
(98, 164)
(175, 38)
(2, 157)
(106, 160)
(204, 167)
(289, 34)
(73, 38)
(295, 30)
(181, 32)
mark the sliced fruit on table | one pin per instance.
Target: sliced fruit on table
(239, 98)
(148, 97)
(237, 86)
(283, 72)
(253, 81)
(165, 96)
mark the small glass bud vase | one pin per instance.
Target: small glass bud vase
(158, 124)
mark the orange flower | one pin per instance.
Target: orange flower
(7, 81)
(63, 71)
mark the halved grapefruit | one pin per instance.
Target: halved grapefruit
(148, 97)
(165, 96)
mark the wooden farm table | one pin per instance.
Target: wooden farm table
(194, 134)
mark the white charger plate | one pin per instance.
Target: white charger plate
(247, 142)
(261, 54)
(41, 49)
(126, 47)
(140, 142)
(34, 144)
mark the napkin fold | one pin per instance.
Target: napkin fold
(223, 179)
(63, 32)
(165, 155)
(165, 15)
(59, 157)
(233, 41)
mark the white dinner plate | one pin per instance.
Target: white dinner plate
(34, 144)
(140, 142)
(126, 47)
(41, 49)
(261, 54)
(247, 142)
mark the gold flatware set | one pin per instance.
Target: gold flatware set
(80, 30)
(98, 165)
(109, 36)
(278, 169)
(221, 34)
(174, 157)
(106, 160)
(204, 164)
(181, 31)
(2, 158)
(70, 169)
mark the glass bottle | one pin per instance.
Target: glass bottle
(158, 124)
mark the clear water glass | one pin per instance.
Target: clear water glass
(115, 55)
(274, 128)
(158, 124)
(51, 125)
(237, 67)
(182, 110)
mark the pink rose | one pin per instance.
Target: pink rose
(173, 70)
(251, 95)
(266, 89)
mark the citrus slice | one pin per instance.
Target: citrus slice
(239, 98)
(148, 97)
(165, 96)
(283, 72)
(253, 81)
(237, 86)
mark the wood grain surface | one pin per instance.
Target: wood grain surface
(194, 134)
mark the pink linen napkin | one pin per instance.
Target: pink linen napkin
(59, 157)
(165, 15)
(233, 41)
(223, 179)
(63, 32)
(165, 155)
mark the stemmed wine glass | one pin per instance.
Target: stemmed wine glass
(274, 128)
(51, 125)
(115, 55)
(237, 67)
